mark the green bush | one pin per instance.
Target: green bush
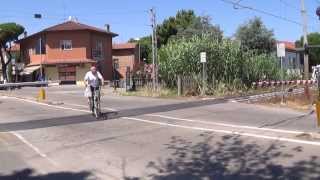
(226, 63)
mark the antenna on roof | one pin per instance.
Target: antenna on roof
(73, 19)
(107, 26)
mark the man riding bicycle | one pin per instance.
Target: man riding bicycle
(93, 79)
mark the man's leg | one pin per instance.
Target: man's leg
(92, 98)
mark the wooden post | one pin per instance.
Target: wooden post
(179, 82)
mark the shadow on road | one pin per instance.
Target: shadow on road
(29, 174)
(61, 121)
(230, 159)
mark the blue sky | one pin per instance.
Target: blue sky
(130, 18)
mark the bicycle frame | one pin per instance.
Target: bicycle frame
(95, 102)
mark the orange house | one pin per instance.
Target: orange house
(66, 51)
(126, 56)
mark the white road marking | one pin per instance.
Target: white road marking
(49, 105)
(60, 107)
(34, 148)
(227, 132)
(227, 125)
(86, 106)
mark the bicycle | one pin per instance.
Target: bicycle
(94, 102)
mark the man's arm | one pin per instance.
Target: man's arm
(86, 79)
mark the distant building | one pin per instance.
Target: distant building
(125, 57)
(292, 62)
(66, 51)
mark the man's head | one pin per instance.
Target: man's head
(93, 69)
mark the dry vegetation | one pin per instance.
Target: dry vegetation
(301, 102)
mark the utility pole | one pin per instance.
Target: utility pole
(154, 49)
(305, 40)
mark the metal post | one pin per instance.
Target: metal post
(179, 85)
(41, 75)
(282, 86)
(153, 51)
(305, 40)
(139, 53)
(203, 78)
(318, 100)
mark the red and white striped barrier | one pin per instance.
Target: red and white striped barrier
(279, 83)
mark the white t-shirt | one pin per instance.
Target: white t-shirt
(93, 80)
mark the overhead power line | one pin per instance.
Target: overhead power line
(297, 8)
(238, 5)
(290, 5)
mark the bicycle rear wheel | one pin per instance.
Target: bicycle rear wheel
(96, 110)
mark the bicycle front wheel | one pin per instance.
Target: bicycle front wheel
(97, 108)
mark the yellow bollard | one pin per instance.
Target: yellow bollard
(41, 94)
(318, 112)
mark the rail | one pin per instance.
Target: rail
(25, 84)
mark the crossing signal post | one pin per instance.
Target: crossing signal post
(318, 80)
(318, 100)
(203, 60)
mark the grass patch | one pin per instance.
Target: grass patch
(301, 102)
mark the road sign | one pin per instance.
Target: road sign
(281, 50)
(203, 57)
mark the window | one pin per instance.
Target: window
(116, 64)
(97, 51)
(66, 44)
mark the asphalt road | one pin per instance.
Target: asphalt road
(150, 138)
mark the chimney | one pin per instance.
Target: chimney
(25, 34)
(107, 26)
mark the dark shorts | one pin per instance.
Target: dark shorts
(93, 90)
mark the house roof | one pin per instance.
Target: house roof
(64, 61)
(72, 26)
(289, 45)
(124, 46)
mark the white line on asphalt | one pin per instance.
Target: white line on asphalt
(86, 106)
(227, 125)
(34, 148)
(227, 132)
(49, 105)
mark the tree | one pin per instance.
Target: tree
(9, 32)
(184, 24)
(170, 27)
(201, 25)
(254, 35)
(314, 53)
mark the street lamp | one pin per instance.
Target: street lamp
(42, 92)
(39, 16)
